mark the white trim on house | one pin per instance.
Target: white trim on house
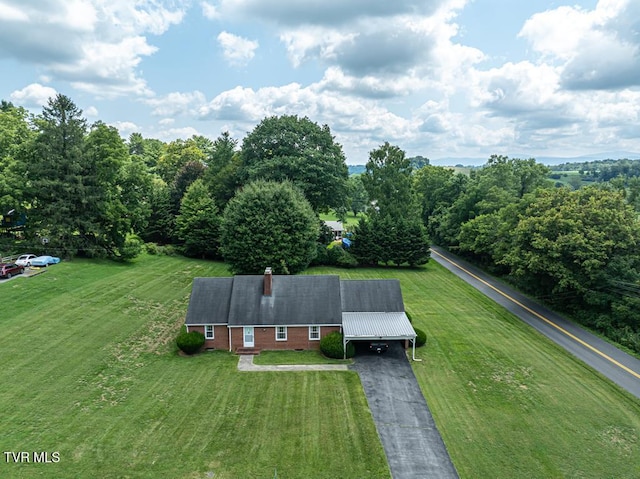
(376, 326)
(204, 324)
(281, 333)
(209, 334)
(304, 325)
(315, 334)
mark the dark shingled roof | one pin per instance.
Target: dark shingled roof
(295, 300)
(313, 299)
(370, 296)
(210, 299)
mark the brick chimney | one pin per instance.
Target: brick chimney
(268, 282)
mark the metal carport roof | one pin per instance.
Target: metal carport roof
(372, 326)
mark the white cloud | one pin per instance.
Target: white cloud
(237, 50)
(176, 103)
(91, 111)
(172, 134)
(13, 14)
(326, 12)
(598, 49)
(125, 128)
(108, 69)
(95, 44)
(364, 123)
(209, 11)
(33, 96)
(369, 86)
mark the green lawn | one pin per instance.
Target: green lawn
(508, 402)
(295, 357)
(89, 369)
(351, 220)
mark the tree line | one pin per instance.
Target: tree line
(577, 250)
(86, 191)
(257, 203)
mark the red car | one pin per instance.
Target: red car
(8, 270)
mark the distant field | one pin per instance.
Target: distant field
(351, 219)
(89, 370)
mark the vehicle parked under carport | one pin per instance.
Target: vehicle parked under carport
(378, 346)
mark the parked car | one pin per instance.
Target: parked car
(44, 261)
(7, 270)
(25, 259)
(378, 346)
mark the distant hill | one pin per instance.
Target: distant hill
(416, 162)
(546, 160)
(356, 169)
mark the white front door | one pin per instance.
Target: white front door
(248, 336)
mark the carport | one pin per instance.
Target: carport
(360, 326)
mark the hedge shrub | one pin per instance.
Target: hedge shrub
(331, 346)
(421, 337)
(190, 342)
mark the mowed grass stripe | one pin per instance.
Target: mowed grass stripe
(88, 371)
(524, 406)
(120, 405)
(507, 401)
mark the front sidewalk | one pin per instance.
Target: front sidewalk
(245, 363)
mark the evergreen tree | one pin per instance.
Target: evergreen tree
(198, 224)
(269, 224)
(57, 169)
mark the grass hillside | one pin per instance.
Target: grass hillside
(508, 402)
(89, 370)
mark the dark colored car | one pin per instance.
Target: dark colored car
(378, 346)
(9, 269)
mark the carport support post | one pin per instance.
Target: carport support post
(413, 356)
(344, 347)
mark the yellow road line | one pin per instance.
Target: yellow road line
(548, 321)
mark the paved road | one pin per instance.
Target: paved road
(618, 366)
(406, 428)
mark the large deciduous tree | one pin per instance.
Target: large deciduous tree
(301, 151)
(357, 195)
(176, 155)
(566, 241)
(387, 179)
(15, 135)
(269, 224)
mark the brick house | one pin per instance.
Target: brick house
(294, 312)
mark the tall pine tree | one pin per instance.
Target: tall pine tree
(56, 176)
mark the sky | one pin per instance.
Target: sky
(444, 79)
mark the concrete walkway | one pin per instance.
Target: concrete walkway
(245, 363)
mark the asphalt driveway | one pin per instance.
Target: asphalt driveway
(406, 428)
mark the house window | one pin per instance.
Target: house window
(281, 333)
(208, 331)
(314, 333)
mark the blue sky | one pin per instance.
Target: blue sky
(439, 78)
